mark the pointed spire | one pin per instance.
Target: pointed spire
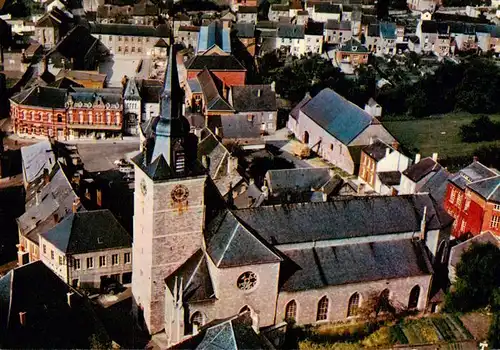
(168, 124)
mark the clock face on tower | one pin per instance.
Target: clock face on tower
(179, 193)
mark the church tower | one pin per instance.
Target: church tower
(169, 204)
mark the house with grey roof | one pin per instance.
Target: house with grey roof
(50, 197)
(257, 103)
(381, 166)
(290, 38)
(334, 128)
(323, 11)
(41, 311)
(418, 174)
(276, 11)
(88, 250)
(337, 32)
(304, 185)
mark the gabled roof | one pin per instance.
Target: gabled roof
(343, 218)
(294, 113)
(299, 179)
(130, 30)
(472, 173)
(336, 25)
(353, 46)
(244, 30)
(377, 150)
(424, 167)
(214, 34)
(50, 321)
(213, 99)
(390, 178)
(36, 158)
(41, 96)
(326, 8)
(231, 244)
(64, 83)
(253, 98)
(293, 31)
(316, 268)
(215, 63)
(248, 9)
(483, 238)
(314, 28)
(338, 116)
(195, 277)
(429, 27)
(488, 188)
(88, 231)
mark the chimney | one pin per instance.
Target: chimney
(417, 158)
(56, 218)
(46, 176)
(38, 197)
(217, 131)
(371, 140)
(331, 172)
(475, 159)
(422, 224)
(224, 89)
(259, 92)
(204, 161)
(273, 86)
(70, 298)
(435, 157)
(395, 145)
(265, 191)
(251, 181)
(387, 151)
(75, 205)
(22, 318)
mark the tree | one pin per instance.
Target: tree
(478, 276)
(480, 129)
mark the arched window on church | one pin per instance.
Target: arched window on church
(196, 321)
(291, 311)
(414, 296)
(353, 307)
(322, 313)
(384, 301)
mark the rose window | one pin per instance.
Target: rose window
(247, 280)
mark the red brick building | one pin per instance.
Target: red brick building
(40, 111)
(62, 114)
(473, 200)
(227, 68)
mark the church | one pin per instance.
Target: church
(196, 260)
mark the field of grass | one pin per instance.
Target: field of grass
(436, 134)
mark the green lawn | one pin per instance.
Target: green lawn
(436, 134)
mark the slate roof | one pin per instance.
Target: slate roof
(314, 28)
(342, 218)
(41, 96)
(437, 185)
(50, 321)
(215, 63)
(472, 173)
(390, 178)
(93, 76)
(429, 27)
(64, 83)
(336, 25)
(244, 30)
(279, 8)
(388, 30)
(377, 150)
(353, 46)
(238, 126)
(338, 116)
(85, 95)
(197, 283)
(253, 98)
(293, 31)
(297, 179)
(418, 171)
(56, 202)
(36, 158)
(213, 99)
(231, 244)
(88, 231)
(129, 30)
(373, 30)
(150, 90)
(248, 9)
(354, 263)
(234, 333)
(489, 188)
(326, 8)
